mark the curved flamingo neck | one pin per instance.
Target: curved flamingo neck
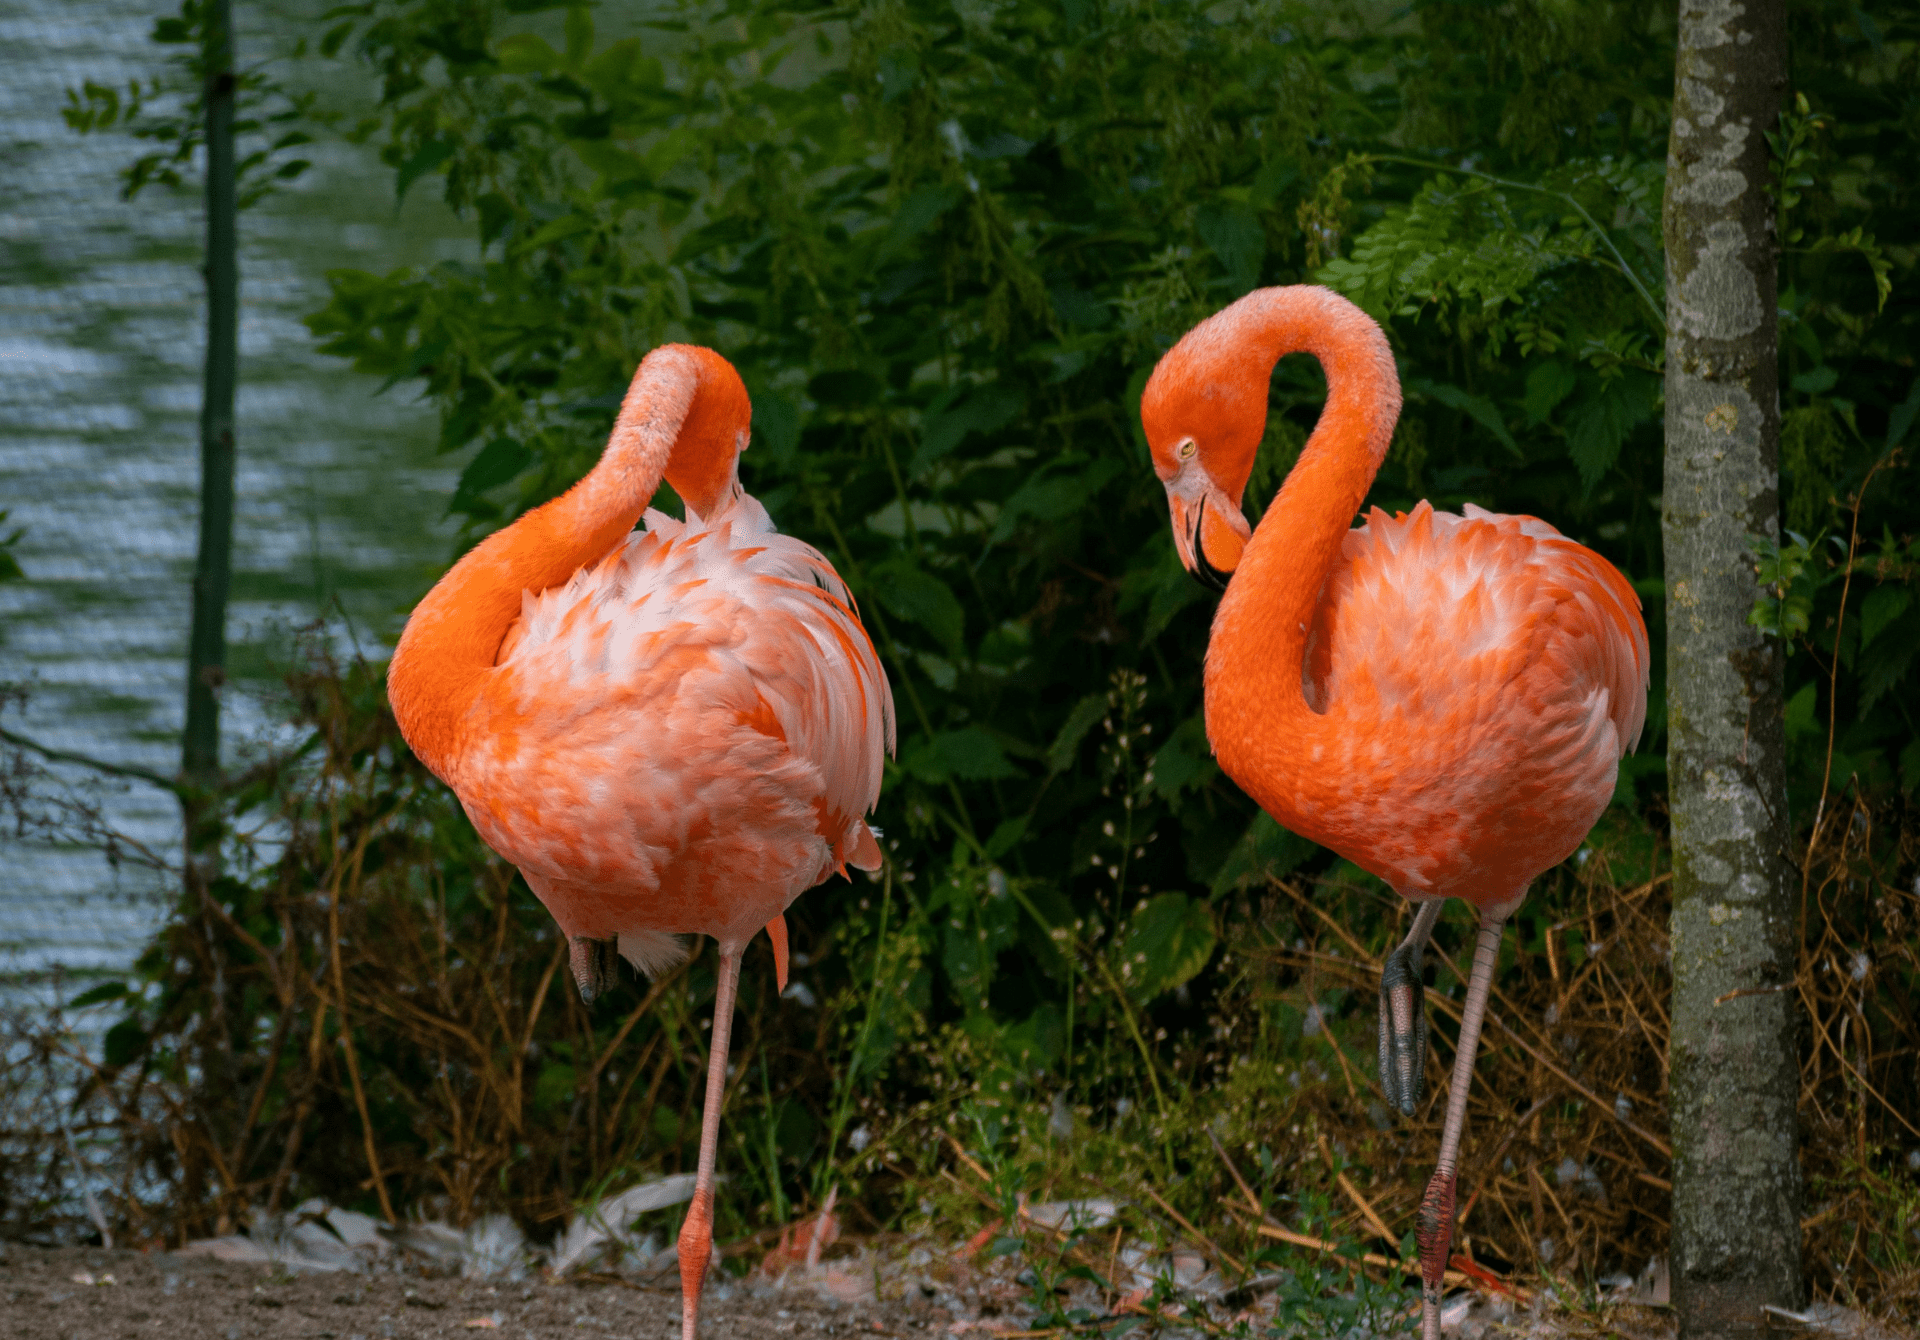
(1262, 729)
(684, 417)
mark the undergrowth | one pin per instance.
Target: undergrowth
(368, 1006)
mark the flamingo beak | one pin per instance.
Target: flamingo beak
(1208, 533)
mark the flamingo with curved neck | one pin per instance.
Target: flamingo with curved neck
(1443, 700)
(672, 731)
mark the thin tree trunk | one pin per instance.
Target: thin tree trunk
(1736, 1193)
(207, 648)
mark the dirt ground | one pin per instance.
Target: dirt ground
(90, 1294)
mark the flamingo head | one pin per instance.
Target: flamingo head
(704, 468)
(1203, 423)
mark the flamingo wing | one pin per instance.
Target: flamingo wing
(686, 735)
(1494, 672)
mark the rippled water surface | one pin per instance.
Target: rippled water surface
(101, 335)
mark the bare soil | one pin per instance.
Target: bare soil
(45, 1295)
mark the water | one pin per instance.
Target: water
(340, 497)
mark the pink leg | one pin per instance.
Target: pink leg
(1434, 1223)
(696, 1233)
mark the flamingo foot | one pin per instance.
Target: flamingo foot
(1403, 1015)
(696, 1249)
(593, 967)
(1433, 1229)
(1403, 1029)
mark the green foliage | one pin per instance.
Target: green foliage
(1786, 572)
(945, 300)
(945, 244)
(271, 124)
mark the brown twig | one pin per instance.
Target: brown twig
(346, 1032)
(1367, 1212)
(1219, 1252)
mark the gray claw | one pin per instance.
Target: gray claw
(1403, 1029)
(593, 966)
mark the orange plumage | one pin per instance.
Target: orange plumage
(1444, 700)
(670, 731)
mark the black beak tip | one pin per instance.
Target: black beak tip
(1204, 572)
(1209, 576)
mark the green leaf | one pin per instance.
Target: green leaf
(124, 1042)
(525, 53)
(911, 592)
(1476, 407)
(969, 754)
(1185, 762)
(1006, 835)
(1902, 416)
(1882, 606)
(1264, 853)
(1816, 381)
(555, 230)
(1800, 714)
(1600, 426)
(94, 995)
(987, 410)
(1886, 663)
(1167, 942)
(899, 73)
(1066, 745)
(776, 422)
(1548, 383)
(1273, 177)
(1053, 497)
(1234, 234)
(917, 213)
(425, 159)
(496, 463)
(579, 33)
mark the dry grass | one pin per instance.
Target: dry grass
(364, 1008)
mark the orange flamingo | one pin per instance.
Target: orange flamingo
(672, 731)
(1443, 700)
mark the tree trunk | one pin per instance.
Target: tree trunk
(1736, 1181)
(207, 647)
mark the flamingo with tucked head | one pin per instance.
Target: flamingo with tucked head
(672, 731)
(1443, 700)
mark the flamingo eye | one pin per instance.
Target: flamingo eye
(1186, 449)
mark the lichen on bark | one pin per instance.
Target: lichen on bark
(1736, 1232)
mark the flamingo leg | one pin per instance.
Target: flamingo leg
(1435, 1220)
(1403, 1014)
(696, 1233)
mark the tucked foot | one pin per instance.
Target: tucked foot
(1433, 1230)
(1403, 1028)
(593, 965)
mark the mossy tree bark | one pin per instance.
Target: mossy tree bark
(1736, 1194)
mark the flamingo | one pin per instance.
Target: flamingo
(1443, 700)
(673, 731)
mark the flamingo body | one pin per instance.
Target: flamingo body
(1478, 677)
(684, 737)
(1444, 700)
(672, 731)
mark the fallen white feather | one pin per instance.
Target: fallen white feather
(605, 1223)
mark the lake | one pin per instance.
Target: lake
(340, 496)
